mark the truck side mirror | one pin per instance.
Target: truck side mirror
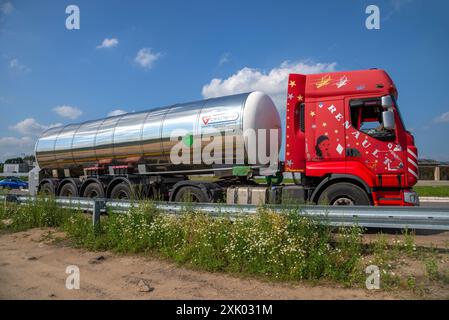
(388, 120)
(387, 102)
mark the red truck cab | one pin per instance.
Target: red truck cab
(345, 135)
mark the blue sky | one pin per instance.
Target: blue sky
(136, 55)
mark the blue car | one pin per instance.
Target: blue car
(13, 183)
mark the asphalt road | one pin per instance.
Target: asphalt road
(435, 205)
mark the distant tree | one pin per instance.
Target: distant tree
(14, 161)
(30, 157)
(1, 167)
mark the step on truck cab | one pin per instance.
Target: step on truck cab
(345, 144)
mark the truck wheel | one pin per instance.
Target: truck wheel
(122, 191)
(93, 190)
(68, 190)
(344, 194)
(47, 189)
(191, 194)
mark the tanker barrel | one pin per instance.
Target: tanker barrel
(145, 137)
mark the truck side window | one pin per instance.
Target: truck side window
(368, 119)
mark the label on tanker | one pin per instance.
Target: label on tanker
(219, 118)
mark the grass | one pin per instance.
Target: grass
(432, 191)
(391, 258)
(268, 245)
(282, 247)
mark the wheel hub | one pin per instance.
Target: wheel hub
(343, 201)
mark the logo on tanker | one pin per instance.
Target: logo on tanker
(219, 118)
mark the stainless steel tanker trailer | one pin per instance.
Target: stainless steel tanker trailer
(129, 156)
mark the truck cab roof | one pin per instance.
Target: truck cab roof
(345, 83)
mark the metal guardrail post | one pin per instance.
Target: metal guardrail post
(96, 211)
(11, 198)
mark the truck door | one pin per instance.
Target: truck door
(326, 141)
(369, 143)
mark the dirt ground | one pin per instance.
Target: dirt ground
(32, 267)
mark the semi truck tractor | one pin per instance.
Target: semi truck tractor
(345, 144)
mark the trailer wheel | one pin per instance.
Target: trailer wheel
(191, 194)
(68, 190)
(94, 190)
(344, 194)
(122, 191)
(47, 189)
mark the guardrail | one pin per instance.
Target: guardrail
(370, 217)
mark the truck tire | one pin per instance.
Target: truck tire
(191, 194)
(122, 191)
(47, 189)
(94, 190)
(344, 194)
(68, 190)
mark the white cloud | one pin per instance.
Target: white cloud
(224, 58)
(108, 43)
(116, 113)
(15, 64)
(16, 142)
(68, 112)
(273, 82)
(442, 118)
(6, 8)
(11, 147)
(30, 127)
(146, 58)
